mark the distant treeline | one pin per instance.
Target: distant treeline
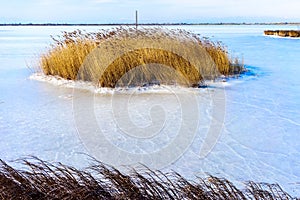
(144, 24)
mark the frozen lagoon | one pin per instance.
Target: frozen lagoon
(259, 140)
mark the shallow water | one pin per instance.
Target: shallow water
(259, 139)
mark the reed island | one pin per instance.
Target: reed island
(177, 49)
(283, 33)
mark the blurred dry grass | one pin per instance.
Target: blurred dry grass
(69, 51)
(43, 180)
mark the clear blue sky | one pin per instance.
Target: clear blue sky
(112, 11)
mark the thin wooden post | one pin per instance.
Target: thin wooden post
(136, 19)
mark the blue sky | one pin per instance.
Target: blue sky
(114, 11)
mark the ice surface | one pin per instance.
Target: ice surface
(259, 139)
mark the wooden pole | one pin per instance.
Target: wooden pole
(136, 19)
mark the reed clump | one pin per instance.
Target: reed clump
(283, 33)
(172, 48)
(44, 180)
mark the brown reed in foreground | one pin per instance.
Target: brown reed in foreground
(68, 53)
(44, 180)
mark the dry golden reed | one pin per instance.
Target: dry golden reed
(44, 180)
(67, 55)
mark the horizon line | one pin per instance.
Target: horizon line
(145, 24)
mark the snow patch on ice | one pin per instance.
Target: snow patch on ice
(158, 89)
(280, 37)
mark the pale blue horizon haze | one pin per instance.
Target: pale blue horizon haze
(155, 11)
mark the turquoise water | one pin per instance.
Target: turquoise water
(259, 139)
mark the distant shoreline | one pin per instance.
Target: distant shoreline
(144, 24)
